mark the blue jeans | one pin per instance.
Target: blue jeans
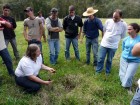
(103, 52)
(136, 98)
(91, 43)
(75, 46)
(127, 72)
(34, 41)
(7, 60)
(54, 46)
(14, 46)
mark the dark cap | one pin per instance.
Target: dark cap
(71, 8)
(54, 10)
(28, 9)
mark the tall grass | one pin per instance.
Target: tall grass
(73, 84)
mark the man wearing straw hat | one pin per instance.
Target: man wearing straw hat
(114, 30)
(91, 28)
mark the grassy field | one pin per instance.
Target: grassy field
(74, 82)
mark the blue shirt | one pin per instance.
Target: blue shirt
(91, 27)
(127, 45)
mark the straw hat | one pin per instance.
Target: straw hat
(89, 11)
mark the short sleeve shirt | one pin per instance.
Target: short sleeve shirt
(27, 67)
(33, 27)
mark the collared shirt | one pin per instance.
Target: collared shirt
(71, 26)
(91, 27)
(27, 66)
(113, 32)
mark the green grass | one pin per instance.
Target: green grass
(74, 82)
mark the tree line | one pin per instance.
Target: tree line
(106, 7)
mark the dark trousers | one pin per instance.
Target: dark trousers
(29, 85)
(7, 60)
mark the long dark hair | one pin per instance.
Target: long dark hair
(31, 51)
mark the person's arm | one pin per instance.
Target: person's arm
(104, 27)
(79, 34)
(136, 50)
(60, 27)
(41, 31)
(38, 80)
(43, 20)
(25, 33)
(64, 23)
(6, 23)
(47, 68)
(84, 31)
(80, 25)
(82, 37)
(100, 27)
(123, 44)
(28, 70)
(49, 26)
(14, 23)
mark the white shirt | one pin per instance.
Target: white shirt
(2, 41)
(139, 83)
(72, 17)
(113, 32)
(27, 67)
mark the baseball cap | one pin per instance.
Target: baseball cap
(28, 9)
(54, 10)
(71, 8)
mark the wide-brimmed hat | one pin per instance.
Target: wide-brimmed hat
(89, 11)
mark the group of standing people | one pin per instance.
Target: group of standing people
(26, 74)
